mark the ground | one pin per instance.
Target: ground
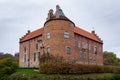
(33, 74)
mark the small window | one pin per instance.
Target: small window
(34, 56)
(38, 56)
(84, 55)
(79, 44)
(68, 50)
(89, 47)
(48, 35)
(25, 49)
(81, 54)
(36, 46)
(90, 56)
(24, 57)
(95, 50)
(48, 50)
(66, 34)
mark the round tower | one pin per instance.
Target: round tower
(58, 34)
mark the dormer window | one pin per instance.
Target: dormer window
(66, 34)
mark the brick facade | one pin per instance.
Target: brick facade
(59, 36)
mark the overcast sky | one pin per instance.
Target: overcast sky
(18, 16)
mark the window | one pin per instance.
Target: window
(94, 56)
(24, 57)
(84, 55)
(36, 46)
(81, 55)
(68, 50)
(66, 34)
(48, 35)
(89, 47)
(79, 45)
(95, 50)
(48, 50)
(34, 56)
(25, 49)
(38, 56)
(90, 56)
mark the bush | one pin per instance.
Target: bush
(72, 68)
(8, 66)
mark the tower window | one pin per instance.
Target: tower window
(66, 34)
(48, 49)
(34, 56)
(48, 35)
(68, 50)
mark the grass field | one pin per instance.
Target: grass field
(27, 71)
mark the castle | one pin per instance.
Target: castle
(60, 36)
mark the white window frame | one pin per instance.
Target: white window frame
(66, 34)
(48, 35)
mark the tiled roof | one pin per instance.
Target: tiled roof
(86, 34)
(31, 35)
(77, 30)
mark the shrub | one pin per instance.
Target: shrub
(8, 66)
(72, 68)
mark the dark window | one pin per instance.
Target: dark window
(66, 34)
(25, 49)
(38, 56)
(24, 57)
(68, 50)
(34, 56)
(36, 46)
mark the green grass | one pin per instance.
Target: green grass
(27, 71)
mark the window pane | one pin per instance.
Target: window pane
(34, 56)
(68, 50)
(66, 35)
(79, 45)
(36, 46)
(48, 35)
(25, 49)
(81, 54)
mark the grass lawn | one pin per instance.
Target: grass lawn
(27, 71)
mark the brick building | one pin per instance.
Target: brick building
(60, 36)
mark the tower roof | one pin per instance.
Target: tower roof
(59, 15)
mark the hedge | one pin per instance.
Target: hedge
(73, 68)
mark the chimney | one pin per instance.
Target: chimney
(28, 31)
(57, 11)
(93, 32)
